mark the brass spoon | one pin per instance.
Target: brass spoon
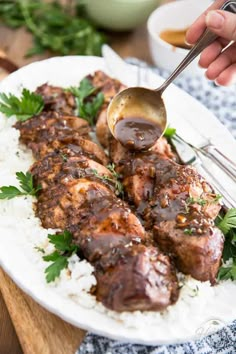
(147, 104)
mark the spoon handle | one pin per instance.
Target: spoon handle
(204, 41)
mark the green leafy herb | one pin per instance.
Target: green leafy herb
(188, 231)
(64, 248)
(199, 201)
(84, 90)
(169, 132)
(62, 29)
(26, 185)
(87, 103)
(24, 107)
(227, 225)
(228, 272)
(39, 249)
(115, 180)
(228, 222)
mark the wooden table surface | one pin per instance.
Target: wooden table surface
(38, 330)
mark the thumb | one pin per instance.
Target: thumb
(222, 23)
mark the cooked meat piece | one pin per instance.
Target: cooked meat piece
(57, 99)
(65, 165)
(105, 84)
(180, 210)
(76, 143)
(196, 254)
(180, 190)
(102, 130)
(119, 154)
(105, 224)
(141, 279)
(57, 205)
(50, 126)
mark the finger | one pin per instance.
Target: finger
(223, 61)
(211, 52)
(198, 27)
(227, 77)
(222, 23)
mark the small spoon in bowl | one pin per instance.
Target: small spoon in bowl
(137, 116)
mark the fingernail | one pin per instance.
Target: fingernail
(214, 19)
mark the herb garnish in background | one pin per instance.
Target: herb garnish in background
(59, 258)
(60, 29)
(227, 225)
(26, 185)
(88, 103)
(28, 105)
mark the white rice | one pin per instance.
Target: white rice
(197, 300)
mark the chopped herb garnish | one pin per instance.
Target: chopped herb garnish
(118, 185)
(64, 248)
(64, 157)
(199, 201)
(26, 185)
(39, 249)
(88, 104)
(28, 105)
(188, 231)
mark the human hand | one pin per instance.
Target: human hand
(221, 67)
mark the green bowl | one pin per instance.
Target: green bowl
(119, 15)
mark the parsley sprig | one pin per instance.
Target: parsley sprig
(26, 185)
(227, 225)
(88, 104)
(24, 107)
(64, 248)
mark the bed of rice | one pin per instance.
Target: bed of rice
(197, 300)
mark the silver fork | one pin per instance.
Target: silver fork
(190, 156)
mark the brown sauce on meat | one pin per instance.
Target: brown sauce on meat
(137, 133)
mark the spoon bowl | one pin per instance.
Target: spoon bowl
(137, 116)
(140, 105)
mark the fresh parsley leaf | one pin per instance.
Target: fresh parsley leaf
(28, 105)
(64, 248)
(84, 90)
(227, 225)
(26, 184)
(169, 132)
(87, 104)
(228, 222)
(227, 272)
(62, 242)
(54, 270)
(88, 110)
(10, 192)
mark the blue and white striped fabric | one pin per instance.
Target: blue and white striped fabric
(222, 102)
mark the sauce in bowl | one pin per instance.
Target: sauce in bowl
(175, 37)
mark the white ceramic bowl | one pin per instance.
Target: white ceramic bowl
(119, 15)
(175, 15)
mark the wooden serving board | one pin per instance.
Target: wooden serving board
(38, 330)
